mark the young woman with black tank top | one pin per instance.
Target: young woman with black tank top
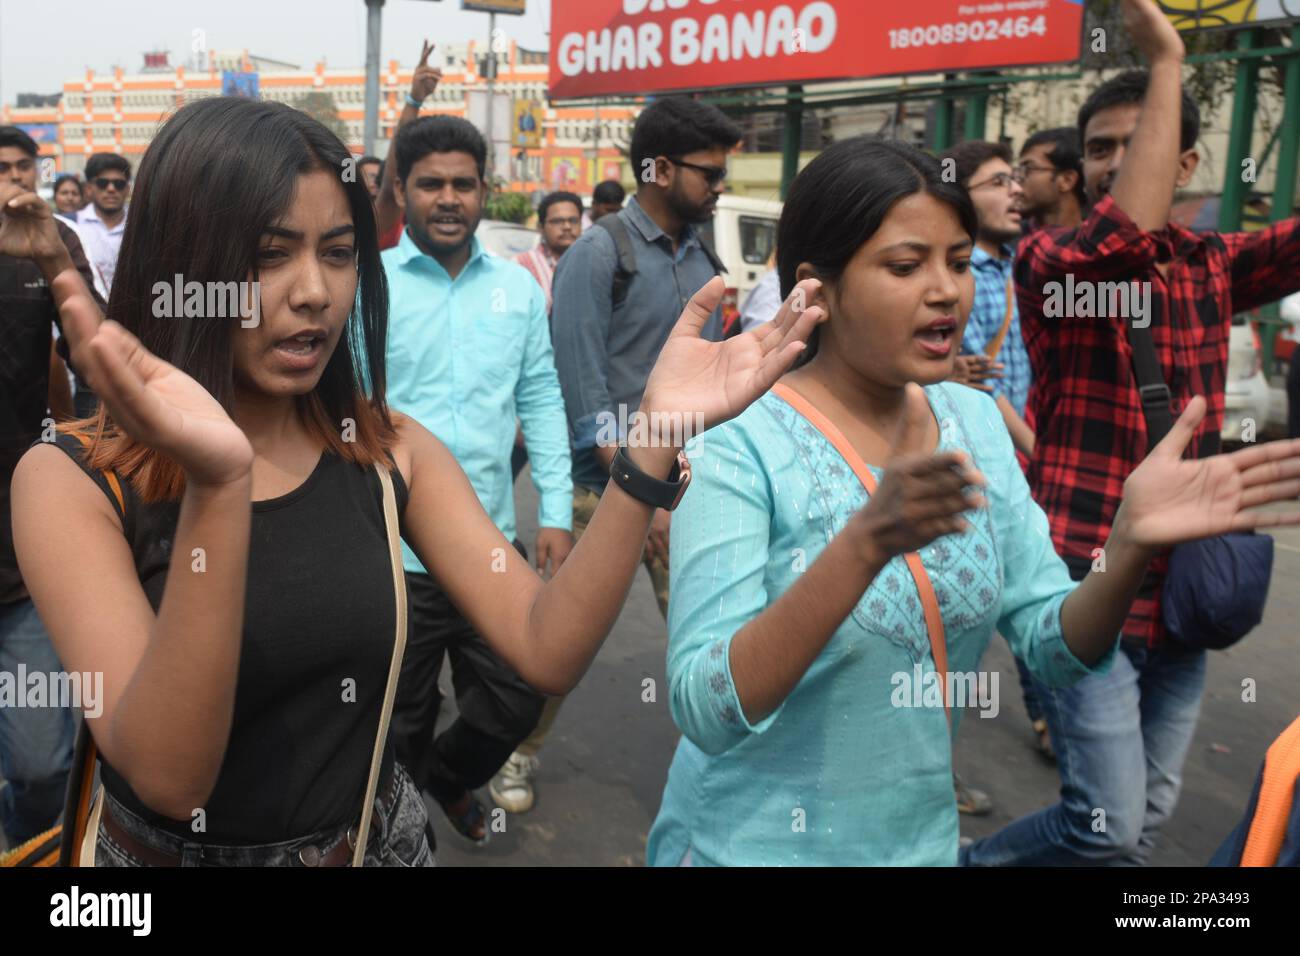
(240, 604)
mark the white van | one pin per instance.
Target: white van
(743, 234)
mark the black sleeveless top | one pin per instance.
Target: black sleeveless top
(318, 636)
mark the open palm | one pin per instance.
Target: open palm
(720, 379)
(151, 400)
(27, 228)
(1168, 500)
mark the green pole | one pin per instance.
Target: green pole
(1239, 130)
(1284, 186)
(977, 108)
(1288, 157)
(942, 124)
(976, 116)
(791, 137)
(943, 118)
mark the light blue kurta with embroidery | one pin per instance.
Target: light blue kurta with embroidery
(840, 773)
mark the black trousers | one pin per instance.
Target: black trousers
(497, 710)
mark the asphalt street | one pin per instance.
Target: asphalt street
(604, 768)
(607, 758)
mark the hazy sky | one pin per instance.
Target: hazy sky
(45, 42)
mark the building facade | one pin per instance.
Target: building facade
(120, 112)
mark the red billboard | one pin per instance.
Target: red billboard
(650, 46)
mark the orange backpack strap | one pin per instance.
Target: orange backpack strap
(109, 476)
(929, 601)
(995, 344)
(1276, 792)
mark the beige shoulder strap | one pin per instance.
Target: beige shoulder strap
(90, 837)
(394, 666)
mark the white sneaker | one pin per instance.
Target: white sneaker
(512, 787)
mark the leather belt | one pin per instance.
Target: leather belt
(339, 855)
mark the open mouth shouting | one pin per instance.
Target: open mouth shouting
(936, 339)
(446, 224)
(302, 352)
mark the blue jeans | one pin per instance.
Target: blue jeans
(1029, 688)
(1121, 739)
(35, 742)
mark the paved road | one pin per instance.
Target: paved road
(604, 770)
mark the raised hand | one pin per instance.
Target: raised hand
(426, 77)
(921, 496)
(975, 370)
(27, 229)
(1168, 500)
(152, 401)
(1151, 31)
(719, 380)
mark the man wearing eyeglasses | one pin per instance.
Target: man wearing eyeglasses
(1050, 173)
(559, 220)
(618, 292)
(102, 222)
(992, 348)
(993, 329)
(1123, 733)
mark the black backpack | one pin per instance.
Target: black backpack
(626, 266)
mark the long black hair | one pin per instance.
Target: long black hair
(837, 203)
(219, 172)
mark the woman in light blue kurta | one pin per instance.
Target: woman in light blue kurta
(800, 665)
(873, 781)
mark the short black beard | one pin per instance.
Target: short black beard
(425, 243)
(686, 211)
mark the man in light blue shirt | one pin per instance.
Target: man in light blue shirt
(468, 351)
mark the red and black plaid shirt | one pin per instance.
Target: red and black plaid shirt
(1084, 403)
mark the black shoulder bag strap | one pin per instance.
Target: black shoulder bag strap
(1152, 388)
(718, 267)
(1155, 394)
(626, 268)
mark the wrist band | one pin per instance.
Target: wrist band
(648, 489)
(413, 101)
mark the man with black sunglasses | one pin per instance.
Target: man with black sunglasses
(102, 222)
(616, 295)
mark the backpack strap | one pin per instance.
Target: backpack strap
(1276, 800)
(1153, 390)
(995, 344)
(109, 477)
(626, 267)
(718, 267)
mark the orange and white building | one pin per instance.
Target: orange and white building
(120, 112)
